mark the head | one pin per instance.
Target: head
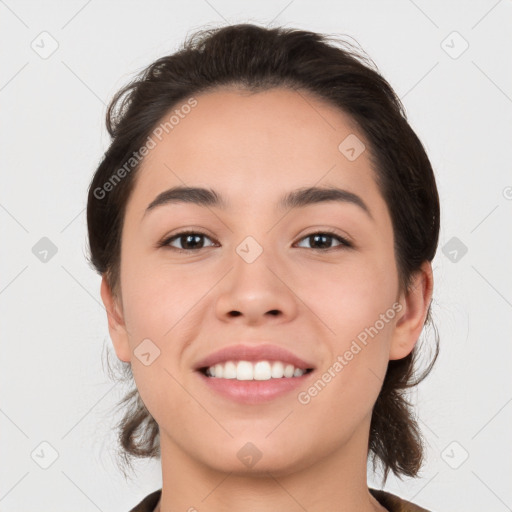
(253, 114)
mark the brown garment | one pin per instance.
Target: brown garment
(394, 503)
(390, 501)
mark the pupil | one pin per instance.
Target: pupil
(316, 237)
(190, 238)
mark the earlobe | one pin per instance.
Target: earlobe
(416, 302)
(116, 324)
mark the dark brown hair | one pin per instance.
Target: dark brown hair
(254, 59)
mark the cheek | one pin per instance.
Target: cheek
(356, 305)
(161, 298)
(355, 302)
(143, 282)
(351, 296)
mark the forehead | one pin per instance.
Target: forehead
(256, 147)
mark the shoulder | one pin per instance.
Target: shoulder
(149, 503)
(394, 503)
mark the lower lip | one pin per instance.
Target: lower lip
(254, 391)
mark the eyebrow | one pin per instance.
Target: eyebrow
(298, 198)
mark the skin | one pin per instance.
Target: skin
(252, 149)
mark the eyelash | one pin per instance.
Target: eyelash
(344, 243)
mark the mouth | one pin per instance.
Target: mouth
(245, 371)
(253, 373)
(257, 388)
(239, 360)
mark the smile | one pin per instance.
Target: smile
(252, 390)
(254, 370)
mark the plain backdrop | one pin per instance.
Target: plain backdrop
(60, 64)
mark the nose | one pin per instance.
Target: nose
(256, 293)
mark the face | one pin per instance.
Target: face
(314, 278)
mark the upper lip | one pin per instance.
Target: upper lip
(253, 353)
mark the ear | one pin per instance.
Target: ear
(116, 324)
(415, 303)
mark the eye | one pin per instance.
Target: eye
(194, 241)
(189, 241)
(323, 238)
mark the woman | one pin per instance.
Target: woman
(264, 222)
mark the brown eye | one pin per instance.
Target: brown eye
(187, 240)
(323, 240)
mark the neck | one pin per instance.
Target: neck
(336, 482)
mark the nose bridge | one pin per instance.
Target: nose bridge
(254, 288)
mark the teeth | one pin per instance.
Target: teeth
(260, 370)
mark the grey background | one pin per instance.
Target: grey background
(53, 388)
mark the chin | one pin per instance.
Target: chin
(245, 458)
